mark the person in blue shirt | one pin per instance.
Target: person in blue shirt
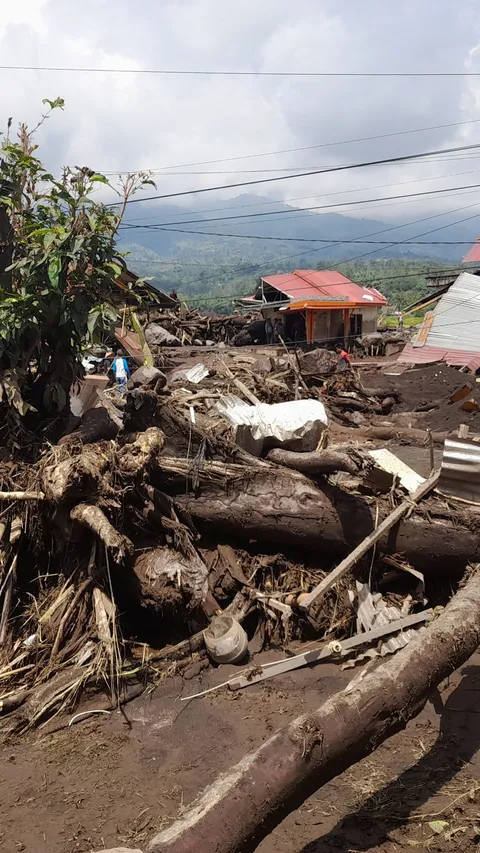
(121, 371)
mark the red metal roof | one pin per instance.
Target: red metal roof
(324, 286)
(429, 355)
(473, 254)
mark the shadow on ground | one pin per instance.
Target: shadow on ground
(389, 808)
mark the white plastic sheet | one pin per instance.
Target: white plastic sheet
(297, 424)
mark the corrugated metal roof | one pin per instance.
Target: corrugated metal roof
(429, 355)
(473, 254)
(324, 285)
(460, 471)
(456, 319)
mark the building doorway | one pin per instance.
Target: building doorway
(355, 325)
(295, 327)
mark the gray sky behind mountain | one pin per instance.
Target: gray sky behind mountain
(126, 122)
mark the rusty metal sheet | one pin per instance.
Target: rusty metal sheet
(460, 471)
(131, 343)
(430, 355)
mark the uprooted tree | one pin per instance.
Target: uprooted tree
(58, 268)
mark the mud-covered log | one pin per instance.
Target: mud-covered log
(282, 506)
(250, 799)
(322, 461)
(96, 520)
(97, 425)
(134, 458)
(77, 475)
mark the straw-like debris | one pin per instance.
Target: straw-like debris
(114, 555)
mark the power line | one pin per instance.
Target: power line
(305, 197)
(257, 267)
(331, 169)
(317, 240)
(440, 228)
(337, 210)
(304, 148)
(162, 225)
(361, 282)
(210, 73)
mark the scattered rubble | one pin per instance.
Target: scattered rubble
(187, 327)
(222, 505)
(179, 466)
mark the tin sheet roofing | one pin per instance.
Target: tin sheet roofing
(456, 319)
(323, 285)
(429, 355)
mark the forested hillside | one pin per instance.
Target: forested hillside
(214, 286)
(196, 252)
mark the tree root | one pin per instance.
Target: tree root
(95, 519)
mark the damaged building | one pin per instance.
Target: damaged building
(317, 305)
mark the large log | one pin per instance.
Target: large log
(242, 806)
(284, 507)
(417, 437)
(322, 461)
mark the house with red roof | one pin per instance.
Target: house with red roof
(317, 305)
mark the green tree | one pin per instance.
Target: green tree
(62, 265)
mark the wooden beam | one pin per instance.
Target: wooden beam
(369, 541)
(241, 386)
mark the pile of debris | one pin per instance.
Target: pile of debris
(187, 327)
(122, 558)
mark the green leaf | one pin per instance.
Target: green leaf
(117, 269)
(99, 179)
(58, 103)
(79, 241)
(48, 239)
(54, 268)
(150, 182)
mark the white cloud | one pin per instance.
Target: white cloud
(120, 121)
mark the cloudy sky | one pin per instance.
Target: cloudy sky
(116, 122)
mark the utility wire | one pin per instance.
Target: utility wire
(210, 73)
(317, 240)
(361, 282)
(162, 225)
(257, 267)
(305, 197)
(404, 158)
(321, 145)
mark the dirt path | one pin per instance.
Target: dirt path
(116, 780)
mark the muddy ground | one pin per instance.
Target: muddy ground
(115, 779)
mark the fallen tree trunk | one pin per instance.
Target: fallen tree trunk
(387, 433)
(283, 506)
(248, 801)
(322, 461)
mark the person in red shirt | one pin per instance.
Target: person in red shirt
(343, 359)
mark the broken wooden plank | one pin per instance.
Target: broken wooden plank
(241, 386)
(364, 546)
(335, 650)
